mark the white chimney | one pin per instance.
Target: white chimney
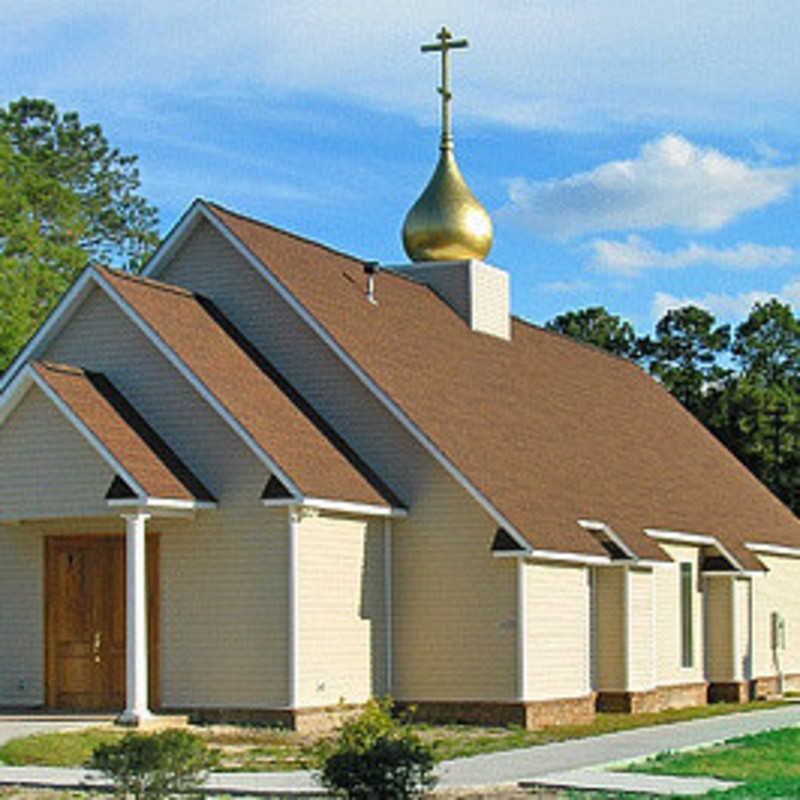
(478, 292)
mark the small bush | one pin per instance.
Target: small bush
(376, 757)
(156, 766)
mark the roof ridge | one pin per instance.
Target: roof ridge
(54, 366)
(150, 282)
(282, 231)
(592, 348)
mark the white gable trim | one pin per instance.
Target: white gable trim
(28, 378)
(340, 506)
(597, 525)
(694, 539)
(194, 381)
(773, 549)
(190, 219)
(162, 503)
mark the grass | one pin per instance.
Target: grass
(768, 764)
(260, 749)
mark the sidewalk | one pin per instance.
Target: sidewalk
(574, 764)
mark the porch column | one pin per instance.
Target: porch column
(136, 701)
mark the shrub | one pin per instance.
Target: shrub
(376, 757)
(155, 766)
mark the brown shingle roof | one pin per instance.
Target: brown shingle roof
(550, 431)
(317, 461)
(133, 444)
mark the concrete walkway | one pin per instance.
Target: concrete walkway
(577, 764)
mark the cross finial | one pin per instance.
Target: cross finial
(446, 44)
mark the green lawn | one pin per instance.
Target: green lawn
(767, 763)
(255, 749)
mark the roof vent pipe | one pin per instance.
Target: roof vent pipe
(370, 269)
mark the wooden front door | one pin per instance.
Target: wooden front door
(85, 621)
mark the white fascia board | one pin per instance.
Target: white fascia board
(166, 503)
(15, 392)
(552, 555)
(98, 446)
(696, 539)
(341, 506)
(683, 538)
(174, 239)
(339, 351)
(773, 549)
(194, 381)
(54, 322)
(597, 525)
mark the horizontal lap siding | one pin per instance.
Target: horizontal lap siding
(47, 468)
(21, 617)
(668, 618)
(610, 636)
(224, 573)
(642, 668)
(454, 605)
(719, 615)
(743, 655)
(557, 629)
(777, 591)
(341, 610)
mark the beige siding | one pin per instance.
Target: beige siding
(719, 627)
(777, 591)
(610, 635)
(454, 605)
(557, 611)
(341, 611)
(641, 656)
(742, 620)
(491, 300)
(668, 618)
(21, 617)
(224, 573)
(47, 468)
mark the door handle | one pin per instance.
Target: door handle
(96, 645)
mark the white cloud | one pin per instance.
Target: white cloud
(725, 306)
(635, 254)
(671, 182)
(532, 62)
(565, 287)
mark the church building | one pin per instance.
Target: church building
(268, 480)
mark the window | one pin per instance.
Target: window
(687, 645)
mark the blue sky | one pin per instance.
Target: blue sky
(635, 155)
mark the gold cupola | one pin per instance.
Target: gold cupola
(447, 223)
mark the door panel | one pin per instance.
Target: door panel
(85, 622)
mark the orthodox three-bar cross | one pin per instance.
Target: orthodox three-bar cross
(446, 44)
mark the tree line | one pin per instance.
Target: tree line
(742, 383)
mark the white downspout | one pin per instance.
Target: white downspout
(387, 583)
(294, 520)
(522, 632)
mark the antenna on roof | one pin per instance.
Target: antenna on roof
(370, 269)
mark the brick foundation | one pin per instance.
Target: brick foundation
(530, 715)
(767, 686)
(680, 696)
(304, 720)
(733, 692)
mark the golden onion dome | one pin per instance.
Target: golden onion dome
(447, 223)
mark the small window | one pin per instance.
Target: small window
(687, 644)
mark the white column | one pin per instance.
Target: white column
(136, 710)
